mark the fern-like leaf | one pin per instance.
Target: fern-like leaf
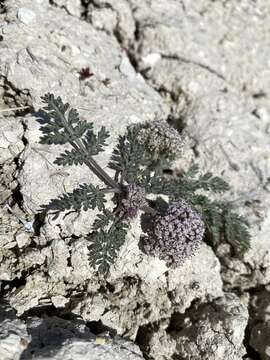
(105, 244)
(57, 127)
(62, 125)
(84, 197)
(236, 230)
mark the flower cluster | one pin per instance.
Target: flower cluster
(133, 200)
(161, 138)
(175, 236)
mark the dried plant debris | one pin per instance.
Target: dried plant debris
(175, 230)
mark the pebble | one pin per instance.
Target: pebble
(26, 16)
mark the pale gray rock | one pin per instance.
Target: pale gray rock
(214, 331)
(73, 7)
(217, 329)
(205, 64)
(113, 16)
(13, 335)
(11, 132)
(209, 35)
(147, 281)
(54, 339)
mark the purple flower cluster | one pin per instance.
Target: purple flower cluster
(133, 200)
(175, 236)
(161, 138)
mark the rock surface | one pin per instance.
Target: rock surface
(13, 335)
(53, 338)
(213, 331)
(192, 63)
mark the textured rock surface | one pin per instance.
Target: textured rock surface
(201, 68)
(259, 339)
(54, 338)
(13, 335)
(216, 329)
(213, 331)
(11, 132)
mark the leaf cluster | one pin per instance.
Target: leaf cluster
(222, 221)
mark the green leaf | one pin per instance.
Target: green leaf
(85, 197)
(105, 245)
(57, 127)
(236, 230)
(95, 143)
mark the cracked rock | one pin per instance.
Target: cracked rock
(214, 331)
(217, 329)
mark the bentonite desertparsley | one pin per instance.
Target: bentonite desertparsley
(161, 138)
(139, 161)
(175, 236)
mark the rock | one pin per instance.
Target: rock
(217, 329)
(214, 331)
(99, 97)
(54, 338)
(13, 261)
(218, 94)
(13, 335)
(259, 339)
(73, 7)
(26, 16)
(259, 321)
(147, 292)
(113, 16)
(8, 182)
(144, 288)
(11, 132)
(23, 239)
(206, 34)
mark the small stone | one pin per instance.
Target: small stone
(59, 301)
(26, 16)
(23, 239)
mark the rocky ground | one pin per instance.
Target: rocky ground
(203, 65)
